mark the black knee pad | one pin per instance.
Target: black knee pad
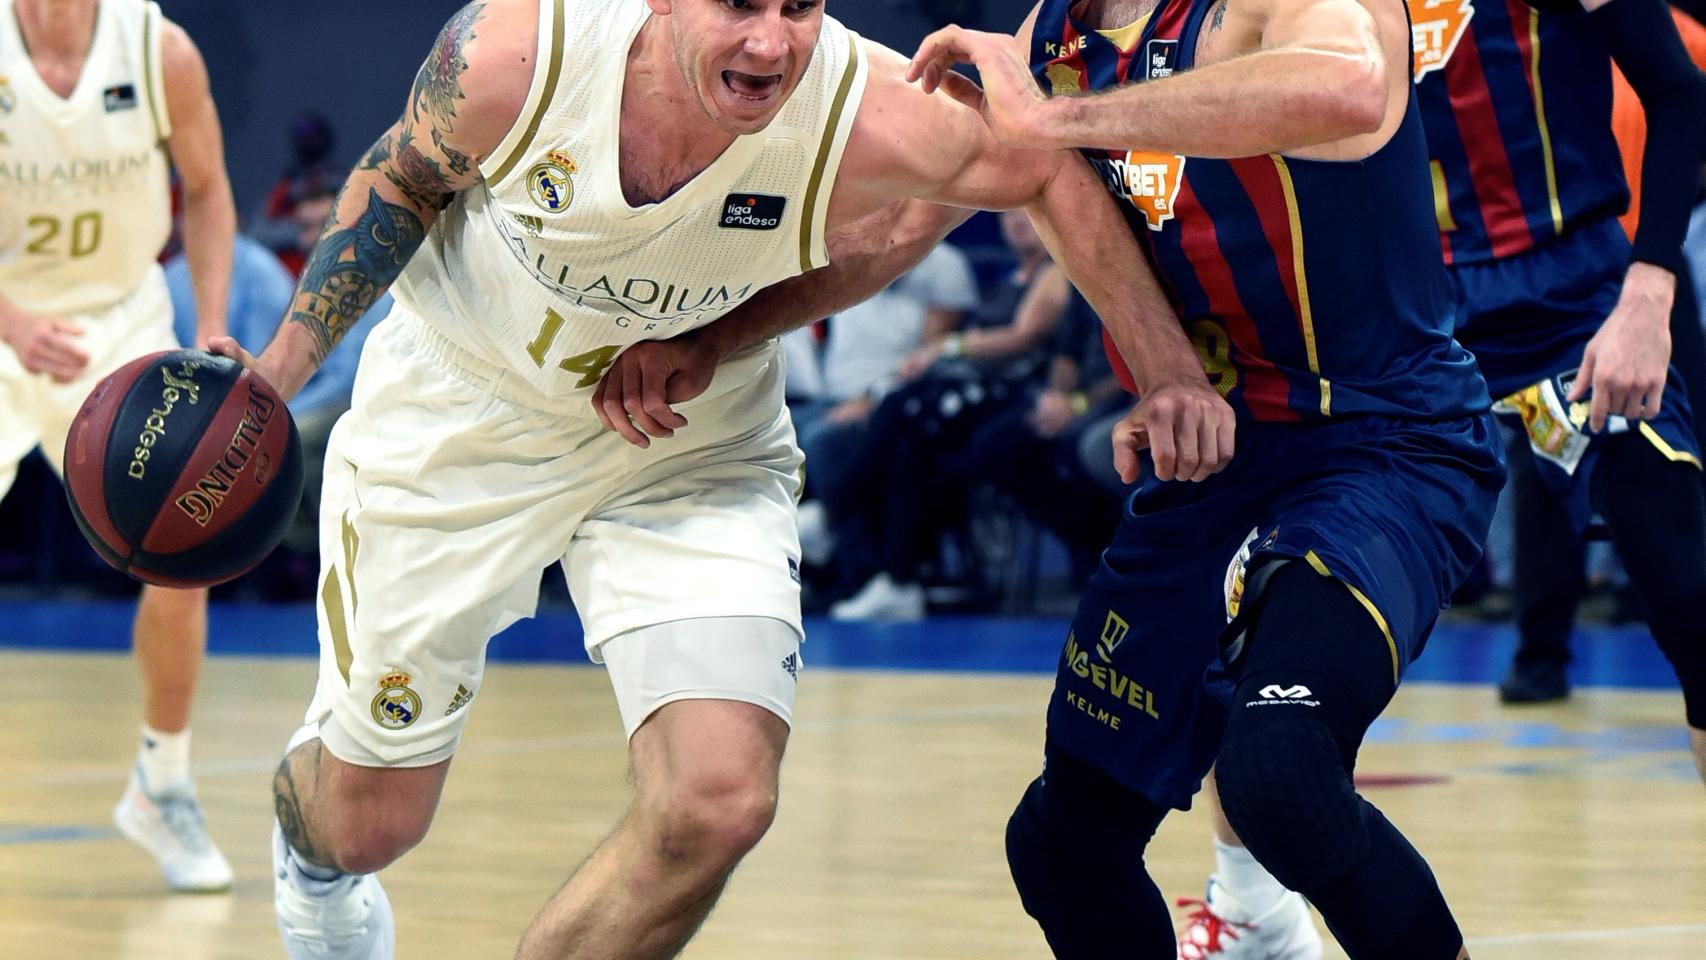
(1676, 627)
(1075, 846)
(1027, 850)
(1658, 522)
(1286, 790)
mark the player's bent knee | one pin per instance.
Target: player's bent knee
(712, 820)
(366, 838)
(359, 819)
(371, 847)
(1285, 789)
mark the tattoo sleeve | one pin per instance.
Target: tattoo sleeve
(354, 261)
(351, 266)
(438, 85)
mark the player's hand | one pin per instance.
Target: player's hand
(1012, 102)
(262, 365)
(635, 395)
(1625, 363)
(45, 345)
(1187, 427)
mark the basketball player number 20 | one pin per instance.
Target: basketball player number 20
(83, 237)
(590, 365)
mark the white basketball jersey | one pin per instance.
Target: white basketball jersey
(84, 208)
(545, 270)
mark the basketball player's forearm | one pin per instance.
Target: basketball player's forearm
(865, 257)
(210, 229)
(374, 231)
(1272, 101)
(1084, 231)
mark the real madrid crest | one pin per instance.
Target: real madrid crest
(8, 100)
(550, 183)
(395, 706)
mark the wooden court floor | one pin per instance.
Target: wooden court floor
(1559, 833)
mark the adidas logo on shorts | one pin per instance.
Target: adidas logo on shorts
(791, 663)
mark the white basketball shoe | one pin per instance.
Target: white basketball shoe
(345, 918)
(1220, 928)
(169, 825)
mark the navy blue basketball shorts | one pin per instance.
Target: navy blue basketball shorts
(1396, 510)
(1528, 319)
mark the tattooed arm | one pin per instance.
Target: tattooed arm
(465, 98)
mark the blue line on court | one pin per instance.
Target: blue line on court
(12, 835)
(1457, 652)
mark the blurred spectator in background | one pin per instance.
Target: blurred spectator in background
(901, 490)
(309, 171)
(1031, 450)
(803, 383)
(860, 363)
(316, 194)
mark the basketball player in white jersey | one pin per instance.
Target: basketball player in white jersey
(570, 177)
(95, 97)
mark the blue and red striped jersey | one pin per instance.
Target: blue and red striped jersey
(1311, 289)
(1516, 103)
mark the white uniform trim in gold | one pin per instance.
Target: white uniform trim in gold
(545, 269)
(84, 207)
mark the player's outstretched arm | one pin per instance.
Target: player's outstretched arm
(1314, 73)
(937, 147)
(634, 398)
(468, 94)
(1625, 365)
(198, 153)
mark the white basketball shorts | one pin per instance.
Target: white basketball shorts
(448, 489)
(34, 409)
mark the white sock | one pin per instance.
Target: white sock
(315, 873)
(165, 758)
(1248, 881)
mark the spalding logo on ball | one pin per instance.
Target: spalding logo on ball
(183, 468)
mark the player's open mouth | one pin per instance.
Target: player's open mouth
(749, 86)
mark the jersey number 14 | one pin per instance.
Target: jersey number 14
(590, 365)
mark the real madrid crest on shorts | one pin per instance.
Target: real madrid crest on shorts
(7, 99)
(551, 183)
(395, 706)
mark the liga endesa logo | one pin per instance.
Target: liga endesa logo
(752, 211)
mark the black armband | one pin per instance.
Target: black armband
(1644, 43)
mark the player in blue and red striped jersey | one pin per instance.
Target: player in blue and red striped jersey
(1517, 106)
(1528, 183)
(1273, 163)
